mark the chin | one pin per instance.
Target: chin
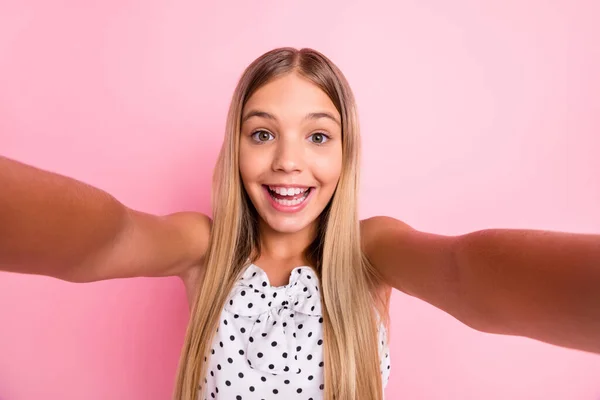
(287, 225)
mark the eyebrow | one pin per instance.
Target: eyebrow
(312, 116)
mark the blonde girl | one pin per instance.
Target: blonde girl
(289, 291)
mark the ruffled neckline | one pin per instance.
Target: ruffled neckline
(273, 308)
(254, 270)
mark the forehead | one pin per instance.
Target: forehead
(290, 95)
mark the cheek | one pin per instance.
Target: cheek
(248, 163)
(245, 166)
(247, 171)
(328, 169)
(254, 164)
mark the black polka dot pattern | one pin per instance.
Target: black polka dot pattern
(277, 345)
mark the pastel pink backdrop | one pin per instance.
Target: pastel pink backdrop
(474, 115)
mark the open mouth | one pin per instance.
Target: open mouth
(288, 196)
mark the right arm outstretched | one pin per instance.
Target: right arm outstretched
(57, 226)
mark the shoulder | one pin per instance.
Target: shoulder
(374, 228)
(373, 231)
(382, 221)
(194, 231)
(199, 227)
(192, 281)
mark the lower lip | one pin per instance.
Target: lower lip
(288, 209)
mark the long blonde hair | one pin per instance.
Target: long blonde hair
(349, 283)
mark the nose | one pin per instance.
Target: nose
(289, 156)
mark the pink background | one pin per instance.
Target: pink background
(474, 116)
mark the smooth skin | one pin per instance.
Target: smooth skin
(291, 136)
(538, 284)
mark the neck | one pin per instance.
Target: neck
(285, 246)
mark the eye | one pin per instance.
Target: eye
(262, 136)
(319, 138)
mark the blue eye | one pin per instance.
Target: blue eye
(319, 138)
(262, 136)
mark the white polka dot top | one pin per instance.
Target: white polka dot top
(269, 341)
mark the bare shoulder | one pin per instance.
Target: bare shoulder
(196, 229)
(192, 281)
(420, 264)
(382, 221)
(372, 229)
(192, 274)
(408, 259)
(153, 246)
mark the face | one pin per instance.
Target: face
(290, 152)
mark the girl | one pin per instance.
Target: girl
(289, 291)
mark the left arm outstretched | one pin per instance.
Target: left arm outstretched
(539, 284)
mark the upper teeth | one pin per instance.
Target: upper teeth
(287, 191)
